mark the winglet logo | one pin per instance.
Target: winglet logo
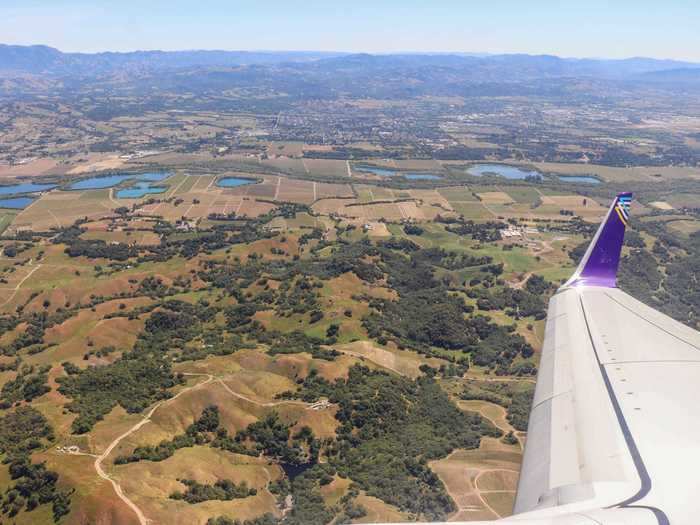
(623, 208)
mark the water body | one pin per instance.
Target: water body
(502, 170)
(387, 172)
(515, 172)
(586, 179)
(422, 176)
(110, 181)
(382, 172)
(139, 190)
(18, 203)
(27, 187)
(232, 182)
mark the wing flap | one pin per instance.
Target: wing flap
(575, 444)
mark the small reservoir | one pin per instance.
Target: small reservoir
(422, 176)
(233, 182)
(26, 187)
(110, 181)
(18, 203)
(502, 170)
(388, 172)
(517, 173)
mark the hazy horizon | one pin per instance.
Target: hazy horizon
(593, 29)
(353, 52)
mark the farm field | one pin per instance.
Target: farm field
(621, 175)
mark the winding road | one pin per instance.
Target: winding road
(143, 520)
(19, 284)
(98, 462)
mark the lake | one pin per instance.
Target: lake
(139, 190)
(100, 183)
(502, 170)
(27, 187)
(515, 172)
(422, 176)
(232, 182)
(18, 203)
(383, 172)
(387, 172)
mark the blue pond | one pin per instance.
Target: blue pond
(232, 182)
(383, 172)
(586, 179)
(18, 203)
(422, 176)
(139, 190)
(515, 172)
(502, 170)
(27, 187)
(386, 172)
(99, 183)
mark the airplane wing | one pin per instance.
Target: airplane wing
(614, 433)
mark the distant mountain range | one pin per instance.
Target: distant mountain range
(46, 60)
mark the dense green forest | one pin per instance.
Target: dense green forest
(664, 273)
(222, 489)
(23, 431)
(389, 428)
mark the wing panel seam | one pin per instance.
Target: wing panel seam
(652, 323)
(626, 433)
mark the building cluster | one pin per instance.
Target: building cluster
(517, 232)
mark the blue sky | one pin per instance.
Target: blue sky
(584, 28)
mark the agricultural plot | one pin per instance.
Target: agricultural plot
(331, 206)
(418, 165)
(324, 191)
(389, 211)
(525, 195)
(661, 205)
(431, 198)
(683, 200)
(368, 193)
(472, 210)
(286, 149)
(620, 175)
(458, 194)
(684, 227)
(29, 169)
(287, 165)
(495, 197)
(290, 190)
(6, 218)
(326, 167)
(62, 208)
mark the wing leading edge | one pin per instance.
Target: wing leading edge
(614, 430)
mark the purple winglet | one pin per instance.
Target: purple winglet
(599, 265)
